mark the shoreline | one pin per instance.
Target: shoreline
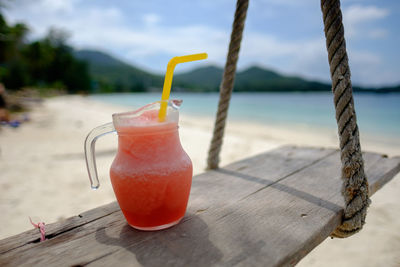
(44, 172)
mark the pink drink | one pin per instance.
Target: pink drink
(151, 174)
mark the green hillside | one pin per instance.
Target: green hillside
(201, 79)
(253, 79)
(112, 75)
(261, 80)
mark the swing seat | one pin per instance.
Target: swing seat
(271, 209)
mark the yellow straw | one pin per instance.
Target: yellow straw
(168, 79)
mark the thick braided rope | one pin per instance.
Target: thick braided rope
(355, 184)
(227, 84)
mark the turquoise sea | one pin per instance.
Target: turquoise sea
(378, 115)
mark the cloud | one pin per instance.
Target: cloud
(59, 5)
(364, 58)
(367, 67)
(151, 19)
(378, 33)
(83, 23)
(41, 6)
(358, 21)
(356, 14)
(290, 3)
(305, 57)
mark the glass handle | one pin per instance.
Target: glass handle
(90, 157)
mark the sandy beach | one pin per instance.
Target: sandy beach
(43, 173)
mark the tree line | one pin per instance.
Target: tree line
(45, 63)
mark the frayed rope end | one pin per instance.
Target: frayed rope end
(41, 227)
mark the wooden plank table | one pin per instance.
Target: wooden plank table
(268, 210)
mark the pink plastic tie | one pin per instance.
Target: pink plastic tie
(41, 227)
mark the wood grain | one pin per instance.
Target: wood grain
(271, 209)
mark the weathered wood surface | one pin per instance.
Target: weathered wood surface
(268, 210)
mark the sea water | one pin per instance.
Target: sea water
(378, 115)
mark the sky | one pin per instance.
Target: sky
(283, 35)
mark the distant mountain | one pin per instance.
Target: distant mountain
(380, 90)
(253, 79)
(112, 75)
(98, 58)
(257, 79)
(201, 79)
(261, 80)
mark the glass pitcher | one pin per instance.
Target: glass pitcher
(151, 174)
